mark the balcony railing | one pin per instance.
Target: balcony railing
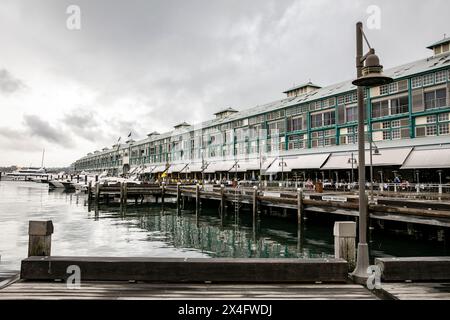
(435, 103)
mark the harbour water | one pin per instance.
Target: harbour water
(153, 231)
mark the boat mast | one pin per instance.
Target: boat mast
(42, 162)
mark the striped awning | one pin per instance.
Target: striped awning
(246, 165)
(160, 169)
(193, 167)
(220, 166)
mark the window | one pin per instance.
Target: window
(395, 124)
(435, 99)
(276, 127)
(393, 87)
(443, 117)
(384, 90)
(431, 130)
(431, 119)
(386, 125)
(351, 114)
(444, 129)
(329, 118)
(417, 82)
(400, 105)
(441, 76)
(380, 109)
(386, 135)
(296, 142)
(396, 134)
(428, 79)
(295, 124)
(316, 120)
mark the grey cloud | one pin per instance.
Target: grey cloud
(43, 129)
(8, 83)
(18, 140)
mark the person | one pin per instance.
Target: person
(396, 179)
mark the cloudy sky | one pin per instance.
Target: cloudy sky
(147, 65)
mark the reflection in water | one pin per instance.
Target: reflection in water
(83, 229)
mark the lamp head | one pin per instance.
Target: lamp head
(372, 73)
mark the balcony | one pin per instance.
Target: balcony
(435, 103)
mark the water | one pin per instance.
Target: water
(148, 231)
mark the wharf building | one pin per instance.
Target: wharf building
(311, 133)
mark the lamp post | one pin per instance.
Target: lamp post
(368, 75)
(375, 152)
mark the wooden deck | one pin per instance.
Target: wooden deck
(418, 291)
(150, 291)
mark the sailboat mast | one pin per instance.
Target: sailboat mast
(42, 162)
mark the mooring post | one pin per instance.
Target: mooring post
(85, 179)
(197, 197)
(97, 192)
(125, 193)
(344, 242)
(96, 178)
(1, 175)
(89, 190)
(162, 192)
(121, 192)
(40, 238)
(78, 178)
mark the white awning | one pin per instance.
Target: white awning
(221, 166)
(160, 169)
(133, 170)
(176, 168)
(148, 169)
(341, 161)
(193, 167)
(310, 161)
(388, 157)
(247, 165)
(279, 165)
(428, 159)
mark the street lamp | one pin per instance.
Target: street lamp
(368, 75)
(282, 164)
(352, 160)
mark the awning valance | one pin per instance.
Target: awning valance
(193, 167)
(247, 165)
(310, 161)
(341, 162)
(160, 168)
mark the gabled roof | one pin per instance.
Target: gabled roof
(443, 41)
(183, 124)
(308, 84)
(226, 110)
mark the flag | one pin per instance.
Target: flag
(129, 135)
(119, 139)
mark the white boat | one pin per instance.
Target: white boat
(28, 173)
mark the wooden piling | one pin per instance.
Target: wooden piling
(222, 201)
(162, 193)
(255, 209)
(125, 193)
(178, 197)
(40, 238)
(89, 191)
(197, 197)
(78, 178)
(121, 193)
(96, 178)
(85, 179)
(97, 192)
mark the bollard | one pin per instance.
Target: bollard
(344, 242)
(40, 238)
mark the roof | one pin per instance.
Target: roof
(443, 41)
(183, 124)
(154, 133)
(226, 110)
(308, 84)
(400, 72)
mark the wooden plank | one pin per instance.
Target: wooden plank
(414, 268)
(188, 270)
